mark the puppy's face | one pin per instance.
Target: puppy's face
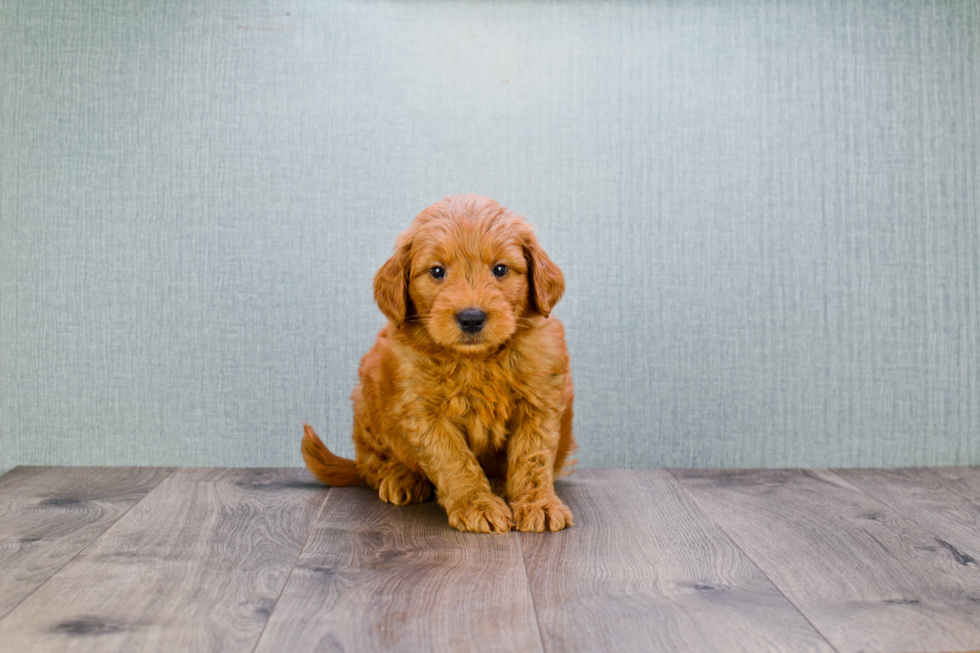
(469, 272)
(468, 284)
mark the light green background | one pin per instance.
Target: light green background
(767, 214)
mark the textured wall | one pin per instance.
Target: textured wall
(767, 214)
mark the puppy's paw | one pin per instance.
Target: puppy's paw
(537, 515)
(401, 486)
(486, 514)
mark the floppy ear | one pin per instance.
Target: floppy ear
(547, 283)
(391, 283)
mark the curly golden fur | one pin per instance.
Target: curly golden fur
(484, 415)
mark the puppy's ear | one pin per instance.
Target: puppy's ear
(547, 283)
(391, 283)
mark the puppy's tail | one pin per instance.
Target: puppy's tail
(328, 468)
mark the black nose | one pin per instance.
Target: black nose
(471, 320)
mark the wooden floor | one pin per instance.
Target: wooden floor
(131, 559)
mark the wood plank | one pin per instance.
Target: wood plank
(964, 481)
(49, 514)
(197, 565)
(376, 577)
(940, 500)
(865, 575)
(645, 569)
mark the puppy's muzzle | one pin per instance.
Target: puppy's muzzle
(471, 320)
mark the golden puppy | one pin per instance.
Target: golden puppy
(468, 386)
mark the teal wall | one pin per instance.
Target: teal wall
(767, 214)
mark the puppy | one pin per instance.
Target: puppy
(467, 389)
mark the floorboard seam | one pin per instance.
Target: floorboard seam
(874, 497)
(530, 592)
(752, 560)
(299, 555)
(861, 488)
(84, 548)
(901, 511)
(950, 485)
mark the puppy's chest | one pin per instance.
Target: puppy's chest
(481, 401)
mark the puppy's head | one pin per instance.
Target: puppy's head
(470, 273)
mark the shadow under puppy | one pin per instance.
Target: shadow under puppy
(468, 386)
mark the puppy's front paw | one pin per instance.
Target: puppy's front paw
(536, 515)
(487, 514)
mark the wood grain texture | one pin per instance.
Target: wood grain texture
(964, 481)
(196, 566)
(946, 504)
(868, 577)
(49, 514)
(644, 569)
(376, 577)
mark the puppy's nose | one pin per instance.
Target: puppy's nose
(471, 320)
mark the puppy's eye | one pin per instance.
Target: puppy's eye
(499, 270)
(437, 272)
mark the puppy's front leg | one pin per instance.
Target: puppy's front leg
(531, 472)
(461, 485)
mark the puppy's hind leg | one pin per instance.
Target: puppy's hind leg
(401, 486)
(394, 482)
